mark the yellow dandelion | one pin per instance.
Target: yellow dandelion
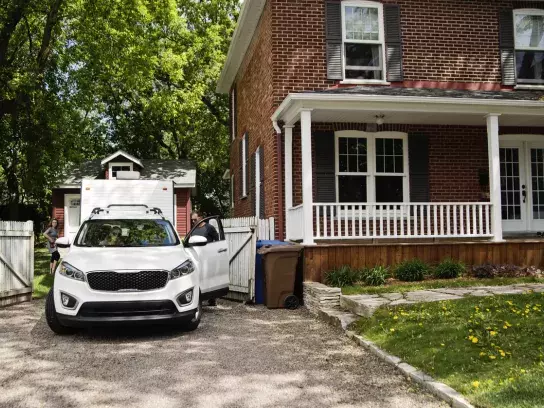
(475, 340)
(482, 354)
(492, 357)
(391, 330)
(476, 384)
(503, 354)
(522, 371)
(493, 333)
(505, 327)
(420, 324)
(395, 317)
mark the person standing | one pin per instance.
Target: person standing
(204, 229)
(52, 233)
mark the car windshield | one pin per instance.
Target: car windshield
(126, 233)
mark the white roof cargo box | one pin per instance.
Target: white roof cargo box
(153, 193)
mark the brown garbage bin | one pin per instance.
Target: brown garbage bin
(280, 265)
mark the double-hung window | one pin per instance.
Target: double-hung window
(115, 167)
(529, 42)
(371, 167)
(363, 41)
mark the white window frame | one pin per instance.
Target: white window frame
(112, 164)
(233, 114)
(535, 12)
(232, 191)
(244, 167)
(381, 41)
(257, 181)
(371, 172)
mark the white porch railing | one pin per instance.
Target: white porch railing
(390, 220)
(295, 222)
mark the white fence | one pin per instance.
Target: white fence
(16, 261)
(242, 235)
(394, 220)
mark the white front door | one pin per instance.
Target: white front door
(522, 186)
(72, 214)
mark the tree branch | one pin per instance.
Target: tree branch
(46, 47)
(13, 18)
(213, 110)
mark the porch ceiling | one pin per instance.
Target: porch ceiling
(414, 106)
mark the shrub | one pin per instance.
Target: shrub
(503, 271)
(376, 276)
(342, 276)
(411, 271)
(449, 269)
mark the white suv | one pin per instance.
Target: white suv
(129, 265)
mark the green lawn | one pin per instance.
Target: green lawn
(490, 349)
(42, 280)
(401, 287)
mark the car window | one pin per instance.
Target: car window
(126, 233)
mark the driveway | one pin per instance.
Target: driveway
(241, 356)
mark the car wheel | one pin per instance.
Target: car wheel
(52, 318)
(195, 321)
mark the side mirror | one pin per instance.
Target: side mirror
(197, 240)
(63, 242)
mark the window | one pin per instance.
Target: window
(529, 41)
(115, 167)
(371, 167)
(363, 41)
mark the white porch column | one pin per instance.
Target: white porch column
(494, 175)
(307, 188)
(288, 174)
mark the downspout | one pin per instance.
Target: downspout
(279, 180)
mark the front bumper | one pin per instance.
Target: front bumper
(100, 307)
(131, 312)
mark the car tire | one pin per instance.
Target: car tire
(195, 321)
(52, 318)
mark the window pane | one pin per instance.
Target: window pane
(529, 65)
(529, 30)
(362, 164)
(343, 145)
(343, 163)
(389, 189)
(362, 23)
(380, 166)
(363, 55)
(352, 189)
(352, 163)
(352, 145)
(388, 143)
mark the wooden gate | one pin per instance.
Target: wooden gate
(16, 261)
(242, 235)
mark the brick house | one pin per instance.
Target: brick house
(66, 197)
(408, 121)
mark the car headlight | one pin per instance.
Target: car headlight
(71, 272)
(185, 268)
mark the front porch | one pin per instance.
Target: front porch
(376, 185)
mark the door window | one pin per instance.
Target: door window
(510, 184)
(537, 182)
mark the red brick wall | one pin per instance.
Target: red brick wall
(254, 94)
(456, 153)
(57, 203)
(183, 210)
(443, 41)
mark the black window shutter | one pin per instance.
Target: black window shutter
(252, 183)
(324, 167)
(333, 37)
(418, 159)
(240, 168)
(261, 189)
(506, 42)
(393, 42)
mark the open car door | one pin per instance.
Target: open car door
(212, 256)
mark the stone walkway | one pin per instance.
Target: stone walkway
(366, 305)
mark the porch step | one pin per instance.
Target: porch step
(366, 305)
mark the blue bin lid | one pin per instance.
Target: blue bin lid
(264, 242)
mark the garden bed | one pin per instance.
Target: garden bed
(490, 349)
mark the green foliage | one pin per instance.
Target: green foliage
(81, 79)
(449, 269)
(343, 276)
(376, 276)
(411, 271)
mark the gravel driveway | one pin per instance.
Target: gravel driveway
(241, 356)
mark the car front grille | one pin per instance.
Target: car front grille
(110, 281)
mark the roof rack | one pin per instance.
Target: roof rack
(154, 210)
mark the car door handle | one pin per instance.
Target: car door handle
(222, 250)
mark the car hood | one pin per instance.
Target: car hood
(107, 259)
